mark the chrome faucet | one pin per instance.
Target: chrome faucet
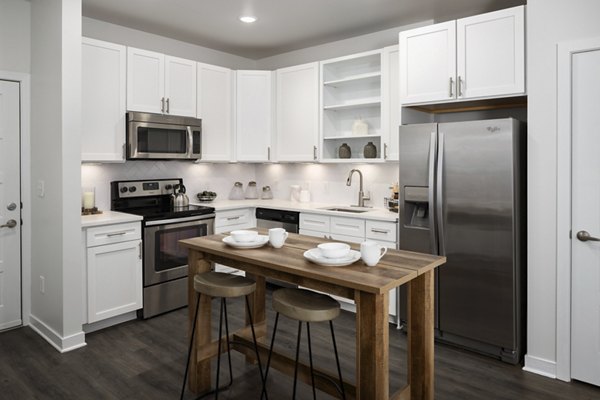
(361, 194)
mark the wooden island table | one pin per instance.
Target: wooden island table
(367, 286)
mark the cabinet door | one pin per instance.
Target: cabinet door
(114, 279)
(145, 80)
(390, 102)
(254, 115)
(180, 86)
(491, 54)
(428, 63)
(298, 113)
(215, 108)
(103, 106)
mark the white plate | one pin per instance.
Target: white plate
(259, 242)
(314, 255)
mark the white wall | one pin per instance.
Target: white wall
(548, 23)
(55, 159)
(101, 30)
(357, 44)
(15, 36)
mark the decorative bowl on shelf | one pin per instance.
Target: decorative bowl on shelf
(206, 196)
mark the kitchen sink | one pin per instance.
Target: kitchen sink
(356, 210)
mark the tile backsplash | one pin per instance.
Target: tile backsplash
(326, 182)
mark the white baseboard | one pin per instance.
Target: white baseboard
(105, 323)
(62, 344)
(540, 366)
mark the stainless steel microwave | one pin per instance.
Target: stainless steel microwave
(163, 137)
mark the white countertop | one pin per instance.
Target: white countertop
(380, 214)
(107, 218)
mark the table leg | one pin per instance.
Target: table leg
(372, 346)
(420, 336)
(199, 372)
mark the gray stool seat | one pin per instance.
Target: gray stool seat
(305, 305)
(219, 284)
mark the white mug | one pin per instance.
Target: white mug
(277, 237)
(371, 252)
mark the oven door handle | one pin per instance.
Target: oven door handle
(182, 219)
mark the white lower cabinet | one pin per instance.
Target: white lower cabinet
(231, 220)
(114, 270)
(351, 230)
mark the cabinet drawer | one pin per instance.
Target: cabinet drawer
(378, 230)
(243, 217)
(116, 233)
(348, 226)
(315, 222)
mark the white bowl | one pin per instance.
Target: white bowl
(244, 236)
(334, 250)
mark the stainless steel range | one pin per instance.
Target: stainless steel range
(164, 261)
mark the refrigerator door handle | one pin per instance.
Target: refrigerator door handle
(432, 212)
(439, 195)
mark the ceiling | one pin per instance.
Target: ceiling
(283, 25)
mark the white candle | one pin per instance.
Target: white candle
(88, 200)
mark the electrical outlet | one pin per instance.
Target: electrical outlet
(42, 284)
(41, 188)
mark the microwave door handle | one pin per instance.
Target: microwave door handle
(190, 142)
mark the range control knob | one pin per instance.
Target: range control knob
(132, 189)
(168, 186)
(123, 189)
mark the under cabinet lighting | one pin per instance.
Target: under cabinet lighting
(248, 19)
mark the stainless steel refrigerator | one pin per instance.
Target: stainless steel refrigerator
(462, 196)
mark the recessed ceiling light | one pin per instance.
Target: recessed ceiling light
(248, 19)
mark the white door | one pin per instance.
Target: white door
(180, 86)
(254, 118)
(491, 54)
(428, 63)
(10, 207)
(215, 108)
(145, 81)
(585, 291)
(298, 112)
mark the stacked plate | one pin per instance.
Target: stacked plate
(332, 255)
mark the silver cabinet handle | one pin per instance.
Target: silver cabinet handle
(168, 101)
(385, 151)
(459, 85)
(140, 250)
(314, 152)
(116, 234)
(232, 218)
(451, 88)
(11, 223)
(269, 153)
(162, 105)
(584, 236)
(385, 231)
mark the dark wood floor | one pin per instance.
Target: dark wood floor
(145, 360)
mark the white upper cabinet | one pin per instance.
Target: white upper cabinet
(145, 81)
(491, 54)
(472, 58)
(254, 111)
(215, 108)
(298, 112)
(180, 86)
(103, 101)
(160, 84)
(428, 63)
(390, 105)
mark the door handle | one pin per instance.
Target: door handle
(584, 236)
(11, 223)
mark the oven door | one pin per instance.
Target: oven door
(148, 140)
(164, 258)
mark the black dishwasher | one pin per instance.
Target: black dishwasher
(271, 218)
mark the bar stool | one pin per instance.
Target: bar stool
(305, 306)
(218, 284)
